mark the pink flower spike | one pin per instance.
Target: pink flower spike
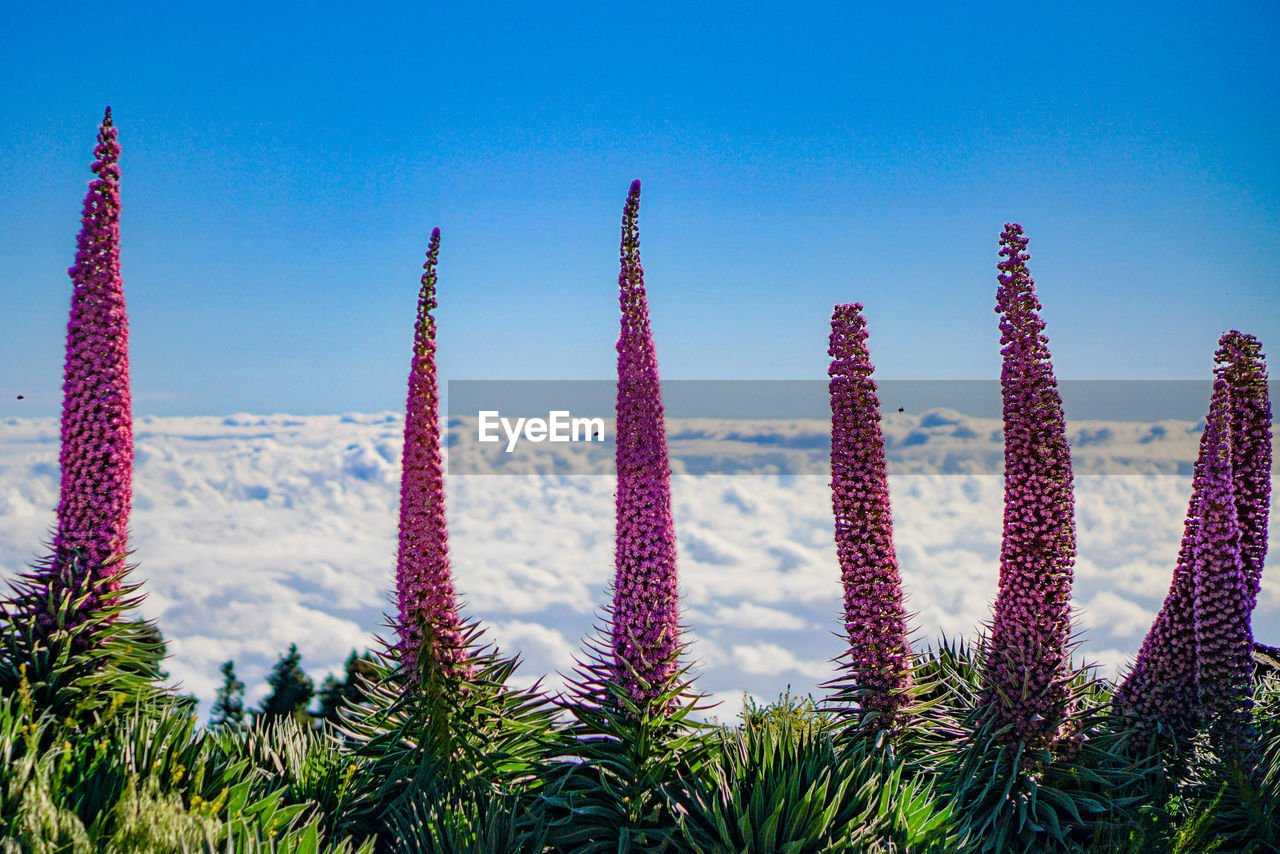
(1241, 363)
(645, 611)
(879, 664)
(428, 622)
(96, 459)
(1027, 657)
(1223, 639)
(1161, 687)
(1193, 667)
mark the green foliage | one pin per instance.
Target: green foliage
(441, 757)
(1219, 802)
(97, 755)
(1266, 716)
(781, 784)
(620, 767)
(1018, 797)
(948, 678)
(147, 819)
(797, 717)
(306, 767)
(30, 817)
(149, 780)
(477, 822)
(77, 664)
(153, 648)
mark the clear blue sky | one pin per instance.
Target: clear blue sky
(284, 164)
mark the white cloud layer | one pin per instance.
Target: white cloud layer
(255, 532)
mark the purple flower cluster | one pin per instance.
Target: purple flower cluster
(1194, 663)
(428, 620)
(645, 611)
(1026, 670)
(1241, 363)
(879, 662)
(1161, 687)
(91, 538)
(1223, 639)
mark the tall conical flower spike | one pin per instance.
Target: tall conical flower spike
(1161, 688)
(429, 627)
(1242, 364)
(1027, 655)
(91, 538)
(645, 611)
(879, 660)
(1224, 640)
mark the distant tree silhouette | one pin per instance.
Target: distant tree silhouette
(228, 707)
(291, 690)
(336, 694)
(330, 695)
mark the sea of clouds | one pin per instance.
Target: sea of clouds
(254, 532)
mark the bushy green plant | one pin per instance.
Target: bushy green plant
(799, 716)
(784, 785)
(1014, 796)
(621, 762)
(444, 743)
(73, 663)
(95, 755)
(475, 822)
(1218, 801)
(307, 767)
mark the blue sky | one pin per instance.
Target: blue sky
(284, 164)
